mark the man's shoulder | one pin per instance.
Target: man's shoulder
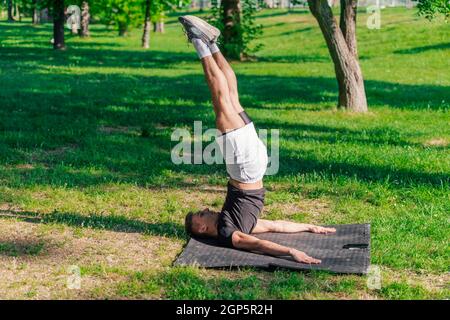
(225, 230)
(225, 219)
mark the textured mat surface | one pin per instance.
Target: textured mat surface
(346, 251)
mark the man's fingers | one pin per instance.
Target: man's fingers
(323, 230)
(311, 260)
(304, 258)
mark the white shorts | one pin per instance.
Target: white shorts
(244, 153)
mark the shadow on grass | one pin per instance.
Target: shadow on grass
(85, 43)
(100, 222)
(319, 133)
(299, 89)
(299, 58)
(369, 173)
(21, 247)
(55, 131)
(52, 120)
(288, 33)
(83, 55)
(440, 46)
(278, 13)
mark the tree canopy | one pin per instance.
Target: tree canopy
(432, 8)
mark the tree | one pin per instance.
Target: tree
(16, 9)
(158, 15)
(85, 17)
(147, 25)
(342, 45)
(58, 25)
(236, 21)
(124, 14)
(10, 6)
(159, 9)
(36, 17)
(232, 37)
(432, 8)
(155, 13)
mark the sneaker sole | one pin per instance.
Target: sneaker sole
(207, 34)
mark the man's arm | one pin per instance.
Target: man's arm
(247, 242)
(288, 227)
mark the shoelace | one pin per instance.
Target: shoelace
(186, 34)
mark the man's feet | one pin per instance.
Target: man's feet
(198, 28)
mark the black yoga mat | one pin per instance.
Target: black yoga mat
(346, 251)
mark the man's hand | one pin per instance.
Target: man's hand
(321, 230)
(302, 257)
(247, 242)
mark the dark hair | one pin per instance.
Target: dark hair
(188, 223)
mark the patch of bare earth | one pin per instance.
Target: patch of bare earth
(61, 150)
(118, 129)
(429, 281)
(436, 142)
(47, 271)
(314, 208)
(24, 166)
(44, 156)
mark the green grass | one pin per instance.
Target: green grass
(185, 283)
(85, 149)
(16, 249)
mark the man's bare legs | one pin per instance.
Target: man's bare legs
(227, 117)
(227, 74)
(288, 227)
(231, 80)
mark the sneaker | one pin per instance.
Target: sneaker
(198, 28)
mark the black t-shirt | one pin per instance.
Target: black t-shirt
(239, 213)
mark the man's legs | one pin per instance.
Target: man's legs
(227, 116)
(288, 227)
(229, 75)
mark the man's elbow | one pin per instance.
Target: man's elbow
(238, 240)
(241, 242)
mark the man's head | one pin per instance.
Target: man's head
(202, 223)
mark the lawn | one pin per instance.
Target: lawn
(86, 177)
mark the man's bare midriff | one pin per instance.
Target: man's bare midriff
(247, 186)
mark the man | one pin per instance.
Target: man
(245, 157)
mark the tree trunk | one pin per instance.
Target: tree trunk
(352, 95)
(43, 15)
(159, 26)
(147, 26)
(10, 7)
(85, 17)
(232, 37)
(58, 25)
(333, 3)
(17, 13)
(36, 16)
(348, 24)
(123, 29)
